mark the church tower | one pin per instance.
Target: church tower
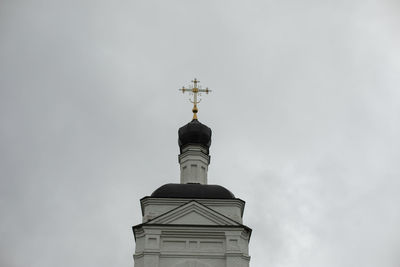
(192, 223)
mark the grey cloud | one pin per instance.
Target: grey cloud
(304, 112)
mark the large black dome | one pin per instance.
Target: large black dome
(193, 191)
(194, 133)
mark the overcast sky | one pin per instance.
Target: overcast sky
(305, 113)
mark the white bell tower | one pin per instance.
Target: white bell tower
(192, 224)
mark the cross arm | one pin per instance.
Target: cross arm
(204, 90)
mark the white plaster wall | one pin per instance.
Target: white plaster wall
(167, 246)
(192, 262)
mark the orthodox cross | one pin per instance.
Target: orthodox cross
(194, 90)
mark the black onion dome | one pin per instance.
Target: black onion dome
(192, 191)
(194, 133)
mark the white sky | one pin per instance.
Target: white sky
(304, 111)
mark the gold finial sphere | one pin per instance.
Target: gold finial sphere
(195, 110)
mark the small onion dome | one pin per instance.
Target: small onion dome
(194, 133)
(193, 191)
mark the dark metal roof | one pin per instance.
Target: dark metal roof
(192, 191)
(194, 133)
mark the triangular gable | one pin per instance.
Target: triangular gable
(193, 213)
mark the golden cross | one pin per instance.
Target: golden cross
(195, 89)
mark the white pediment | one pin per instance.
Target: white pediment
(193, 213)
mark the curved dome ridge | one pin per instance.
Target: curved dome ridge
(194, 133)
(192, 191)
